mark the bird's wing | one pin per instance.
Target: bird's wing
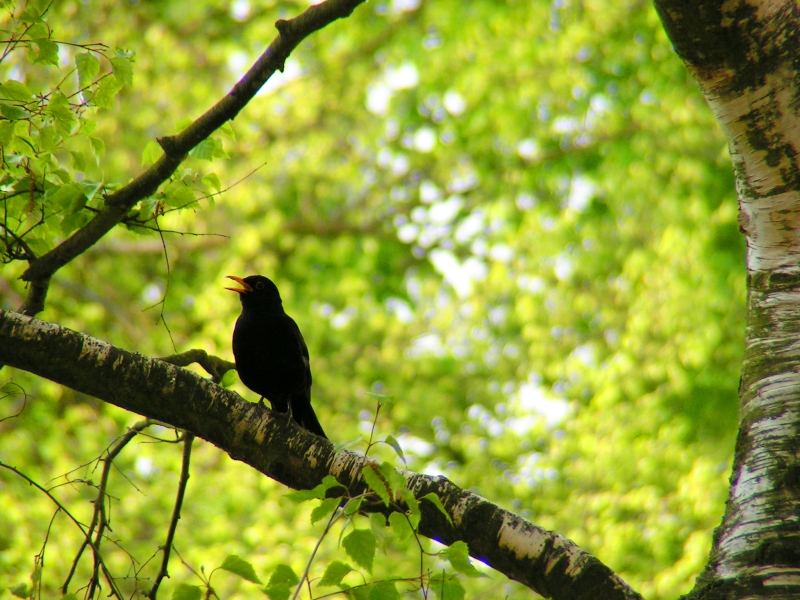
(301, 344)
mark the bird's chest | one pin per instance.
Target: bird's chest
(268, 353)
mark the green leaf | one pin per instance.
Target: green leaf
(399, 526)
(228, 379)
(12, 112)
(21, 590)
(414, 513)
(88, 68)
(15, 90)
(325, 509)
(278, 592)
(179, 195)
(320, 491)
(458, 556)
(184, 591)
(383, 590)
(106, 91)
(447, 587)
(123, 69)
(283, 575)
(151, 153)
(437, 502)
(335, 572)
(212, 180)
(360, 546)
(353, 505)
(376, 483)
(395, 480)
(208, 149)
(392, 441)
(69, 198)
(46, 51)
(240, 567)
(98, 146)
(63, 116)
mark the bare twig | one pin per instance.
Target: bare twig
(176, 514)
(24, 400)
(331, 520)
(94, 535)
(114, 591)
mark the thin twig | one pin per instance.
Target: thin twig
(331, 520)
(99, 520)
(114, 591)
(176, 514)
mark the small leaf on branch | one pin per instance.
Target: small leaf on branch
(228, 379)
(185, 591)
(12, 89)
(178, 195)
(335, 572)
(88, 68)
(123, 68)
(392, 441)
(446, 587)
(383, 590)
(283, 575)
(376, 483)
(324, 509)
(46, 51)
(151, 153)
(320, 491)
(353, 505)
(281, 582)
(240, 567)
(437, 502)
(106, 91)
(13, 112)
(360, 546)
(414, 514)
(21, 590)
(278, 592)
(64, 118)
(399, 525)
(458, 556)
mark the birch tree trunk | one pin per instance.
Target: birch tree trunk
(746, 58)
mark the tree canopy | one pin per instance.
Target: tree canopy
(508, 233)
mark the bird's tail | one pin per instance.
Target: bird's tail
(304, 414)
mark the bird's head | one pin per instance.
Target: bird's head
(256, 291)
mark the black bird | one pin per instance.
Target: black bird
(270, 352)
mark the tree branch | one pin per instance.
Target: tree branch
(544, 561)
(213, 365)
(176, 147)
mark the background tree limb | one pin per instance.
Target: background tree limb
(176, 147)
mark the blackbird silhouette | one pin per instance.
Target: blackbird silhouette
(270, 352)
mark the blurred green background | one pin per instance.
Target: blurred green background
(513, 224)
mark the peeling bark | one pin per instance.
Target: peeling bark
(549, 564)
(746, 58)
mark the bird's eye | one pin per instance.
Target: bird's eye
(260, 285)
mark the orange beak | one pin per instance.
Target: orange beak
(245, 289)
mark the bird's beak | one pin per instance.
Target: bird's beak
(245, 289)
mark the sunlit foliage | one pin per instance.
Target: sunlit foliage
(511, 224)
